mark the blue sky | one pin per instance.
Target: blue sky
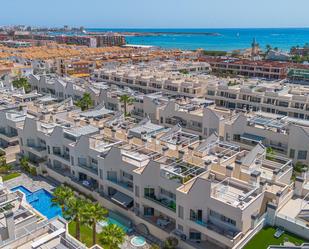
(156, 13)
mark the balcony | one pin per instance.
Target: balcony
(168, 225)
(60, 170)
(63, 156)
(8, 134)
(217, 229)
(171, 205)
(92, 186)
(9, 137)
(37, 151)
(126, 185)
(37, 148)
(93, 170)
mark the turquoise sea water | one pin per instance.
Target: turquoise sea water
(227, 39)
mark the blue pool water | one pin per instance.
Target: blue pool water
(41, 200)
(138, 241)
(110, 220)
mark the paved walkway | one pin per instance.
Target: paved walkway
(31, 183)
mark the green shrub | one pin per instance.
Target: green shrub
(32, 171)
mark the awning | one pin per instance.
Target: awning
(251, 137)
(122, 199)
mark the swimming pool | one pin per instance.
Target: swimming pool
(110, 220)
(41, 200)
(138, 241)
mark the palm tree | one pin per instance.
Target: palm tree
(2, 161)
(61, 196)
(112, 236)
(154, 246)
(75, 209)
(268, 48)
(170, 243)
(24, 163)
(85, 102)
(125, 99)
(94, 213)
(270, 154)
(22, 82)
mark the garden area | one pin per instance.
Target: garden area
(7, 172)
(83, 215)
(265, 238)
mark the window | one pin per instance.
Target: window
(195, 235)
(136, 191)
(56, 150)
(205, 131)
(292, 153)
(222, 217)
(101, 173)
(69, 137)
(82, 161)
(212, 130)
(227, 137)
(180, 227)
(302, 155)
(168, 193)
(30, 142)
(149, 192)
(180, 212)
(94, 161)
(112, 175)
(193, 215)
(148, 211)
(127, 175)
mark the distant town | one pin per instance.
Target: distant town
(106, 144)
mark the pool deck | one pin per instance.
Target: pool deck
(31, 183)
(35, 183)
(127, 244)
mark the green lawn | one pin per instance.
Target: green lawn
(10, 176)
(266, 238)
(85, 234)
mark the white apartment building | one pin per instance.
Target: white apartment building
(271, 97)
(10, 121)
(152, 78)
(198, 116)
(286, 136)
(207, 192)
(61, 88)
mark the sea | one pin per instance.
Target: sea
(217, 39)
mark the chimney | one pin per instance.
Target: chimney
(299, 184)
(144, 140)
(255, 177)
(181, 153)
(275, 174)
(10, 225)
(113, 133)
(229, 170)
(130, 138)
(164, 150)
(207, 164)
